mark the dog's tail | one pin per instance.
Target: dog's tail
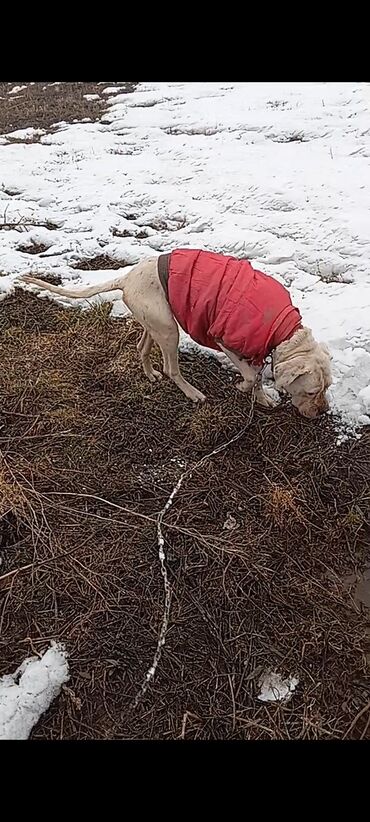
(75, 293)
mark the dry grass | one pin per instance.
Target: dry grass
(99, 262)
(41, 105)
(34, 248)
(282, 504)
(90, 452)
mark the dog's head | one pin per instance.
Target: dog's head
(305, 374)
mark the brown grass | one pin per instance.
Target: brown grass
(99, 262)
(90, 452)
(34, 248)
(282, 504)
(41, 105)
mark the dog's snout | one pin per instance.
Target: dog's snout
(322, 405)
(312, 409)
(320, 408)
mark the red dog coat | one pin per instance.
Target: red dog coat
(219, 298)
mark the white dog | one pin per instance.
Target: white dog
(225, 304)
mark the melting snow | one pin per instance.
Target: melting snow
(26, 694)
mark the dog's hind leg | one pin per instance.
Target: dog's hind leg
(144, 348)
(142, 341)
(168, 342)
(145, 297)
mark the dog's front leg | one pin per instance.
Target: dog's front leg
(261, 397)
(251, 377)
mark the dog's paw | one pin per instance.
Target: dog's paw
(155, 376)
(197, 396)
(265, 400)
(244, 386)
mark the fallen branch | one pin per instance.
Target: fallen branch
(21, 224)
(161, 552)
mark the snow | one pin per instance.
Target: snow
(29, 692)
(364, 397)
(25, 133)
(113, 89)
(276, 172)
(276, 689)
(16, 89)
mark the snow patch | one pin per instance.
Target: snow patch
(16, 89)
(25, 133)
(364, 397)
(276, 689)
(29, 692)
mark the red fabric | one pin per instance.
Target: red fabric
(216, 297)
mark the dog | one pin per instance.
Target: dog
(225, 304)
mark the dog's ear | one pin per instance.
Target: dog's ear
(326, 351)
(286, 372)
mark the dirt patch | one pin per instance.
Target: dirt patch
(99, 262)
(34, 248)
(23, 224)
(54, 279)
(158, 224)
(41, 105)
(191, 132)
(90, 452)
(295, 137)
(277, 103)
